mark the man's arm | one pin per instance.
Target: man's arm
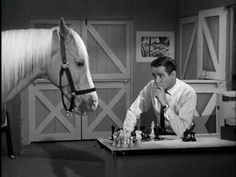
(180, 122)
(141, 104)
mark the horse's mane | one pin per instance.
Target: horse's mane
(24, 51)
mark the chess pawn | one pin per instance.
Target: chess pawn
(128, 141)
(152, 134)
(124, 141)
(119, 143)
(114, 142)
(131, 141)
(138, 136)
(128, 135)
(118, 139)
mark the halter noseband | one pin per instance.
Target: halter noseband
(65, 68)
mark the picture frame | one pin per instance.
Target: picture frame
(151, 44)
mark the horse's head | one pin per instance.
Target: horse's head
(69, 70)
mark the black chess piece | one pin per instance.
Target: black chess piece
(185, 135)
(188, 134)
(133, 132)
(156, 133)
(147, 136)
(142, 128)
(112, 131)
(193, 136)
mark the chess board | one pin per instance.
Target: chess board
(171, 156)
(171, 143)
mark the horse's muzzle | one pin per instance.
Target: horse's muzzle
(86, 106)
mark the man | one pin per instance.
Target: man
(177, 99)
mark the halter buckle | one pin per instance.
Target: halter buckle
(73, 94)
(65, 65)
(69, 113)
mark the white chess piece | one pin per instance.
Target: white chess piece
(138, 136)
(152, 134)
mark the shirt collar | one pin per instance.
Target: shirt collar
(172, 90)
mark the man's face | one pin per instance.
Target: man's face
(162, 78)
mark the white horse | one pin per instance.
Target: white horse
(57, 54)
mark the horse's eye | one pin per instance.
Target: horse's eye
(79, 63)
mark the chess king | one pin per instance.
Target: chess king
(167, 94)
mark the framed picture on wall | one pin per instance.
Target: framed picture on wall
(150, 45)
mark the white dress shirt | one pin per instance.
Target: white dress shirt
(181, 99)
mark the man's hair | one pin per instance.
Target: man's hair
(167, 62)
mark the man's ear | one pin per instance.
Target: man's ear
(173, 73)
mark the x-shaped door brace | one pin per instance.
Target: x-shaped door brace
(107, 110)
(204, 116)
(54, 111)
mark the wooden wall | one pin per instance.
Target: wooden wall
(149, 15)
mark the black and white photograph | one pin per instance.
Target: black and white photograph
(118, 88)
(151, 45)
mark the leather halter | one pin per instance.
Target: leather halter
(65, 68)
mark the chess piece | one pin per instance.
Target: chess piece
(120, 138)
(124, 140)
(193, 136)
(143, 134)
(152, 134)
(147, 136)
(133, 132)
(185, 136)
(114, 137)
(119, 143)
(138, 136)
(156, 133)
(131, 141)
(188, 136)
(112, 131)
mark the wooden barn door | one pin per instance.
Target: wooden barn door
(188, 47)
(47, 118)
(203, 45)
(108, 44)
(212, 44)
(202, 62)
(206, 114)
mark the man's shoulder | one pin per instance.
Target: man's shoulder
(148, 86)
(150, 83)
(186, 85)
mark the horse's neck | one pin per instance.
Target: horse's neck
(18, 85)
(23, 65)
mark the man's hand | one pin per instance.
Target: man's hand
(160, 95)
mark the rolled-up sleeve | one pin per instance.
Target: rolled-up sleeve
(140, 105)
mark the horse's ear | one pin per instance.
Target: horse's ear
(63, 27)
(55, 35)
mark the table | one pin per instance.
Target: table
(208, 156)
